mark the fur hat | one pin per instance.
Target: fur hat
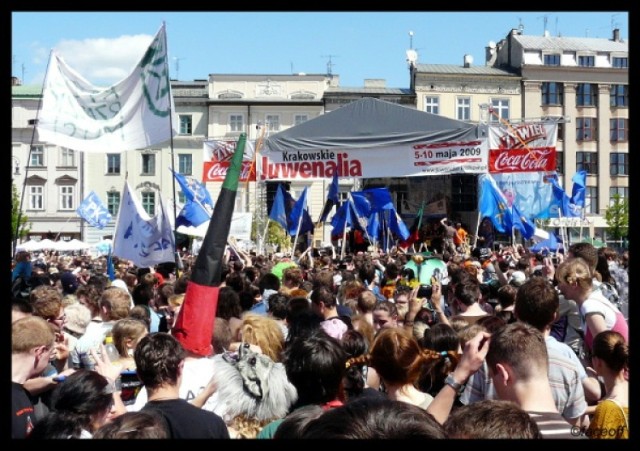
(253, 385)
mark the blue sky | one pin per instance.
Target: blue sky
(104, 46)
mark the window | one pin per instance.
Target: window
(618, 129)
(621, 191)
(620, 63)
(113, 163)
(500, 109)
(37, 156)
(552, 93)
(586, 61)
(560, 162)
(591, 199)
(66, 197)
(618, 164)
(587, 161)
(586, 94)
(186, 124)
(464, 195)
(185, 163)
(585, 129)
(432, 105)
(619, 95)
(300, 118)
(113, 202)
(273, 122)
(560, 131)
(36, 198)
(552, 60)
(236, 122)
(68, 157)
(149, 203)
(463, 110)
(148, 164)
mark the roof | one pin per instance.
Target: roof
(571, 44)
(360, 90)
(370, 122)
(26, 91)
(455, 69)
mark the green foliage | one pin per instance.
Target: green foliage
(15, 212)
(617, 216)
(276, 235)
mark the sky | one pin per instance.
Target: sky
(104, 47)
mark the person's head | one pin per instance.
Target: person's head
(221, 337)
(315, 365)
(374, 418)
(126, 333)
(366, 301)
(585, 251)
(355, 344)
(269, 281)
(294, 423)
(159, 360)
(47, 303)
(20, 308)
(517, 354)
(69, 282)
(467, 293)
(89, 296)
(278, 305)
(82, 401)
(32, 338)
(302, 322)
(537, 303)
(490, 419)
(441, 339)
(115, 303)
(323, 301)
(292, 277)
(143, 424)
(324, 278)
(506, 296)
(575, 279)
(362, 325)
(385, 316)
(228, 303)
(265, 332)
(610, 352)
(398, 357)
(401, 298)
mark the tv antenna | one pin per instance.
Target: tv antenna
(330, 63)
(614, 24)
(177, 61)
(410, 40)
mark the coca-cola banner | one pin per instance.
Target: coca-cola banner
(530, 191)
(398, 161)
(216, 155)
(529, 147)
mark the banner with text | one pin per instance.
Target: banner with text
(216, 155)
(396, 161)
(526, 147)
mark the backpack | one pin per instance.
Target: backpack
(20, 288)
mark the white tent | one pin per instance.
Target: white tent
(72, 245)
(46, 244)
(28, 246)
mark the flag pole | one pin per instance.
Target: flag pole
(295, 241)
(344, 241)
(65, 223)
(176, 255)
(26, 168)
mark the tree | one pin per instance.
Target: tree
(617, 216)
(15, 212)
(276, 235)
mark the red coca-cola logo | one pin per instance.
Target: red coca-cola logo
(523, 160)
(216, 171)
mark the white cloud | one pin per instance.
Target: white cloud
(104, 61)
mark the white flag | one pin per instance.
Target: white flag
(132, 114)
(144, 240)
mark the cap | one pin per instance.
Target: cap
(517, 278)
(69, 282)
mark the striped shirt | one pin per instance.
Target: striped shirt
(553, 425)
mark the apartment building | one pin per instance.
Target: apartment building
(587, 81)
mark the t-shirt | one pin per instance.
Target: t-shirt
(185, 420)
(552, 425)
(22, 417)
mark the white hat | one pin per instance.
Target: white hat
(517, 278)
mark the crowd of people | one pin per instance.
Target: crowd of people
(501, 343)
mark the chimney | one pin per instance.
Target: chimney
(468, 60)
(15, 81)
(490, 54)
(375, 83)
(616, 34)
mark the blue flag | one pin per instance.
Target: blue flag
(493, 204)
(579, 188)
(299, 220)
(342, 219)
(379, 198)
(92, 210)
(278, 211)
(111, 272)
(332, 198)
(520, 222)
(397, 225)
(560, 201)
(192, 214)
(194, 190)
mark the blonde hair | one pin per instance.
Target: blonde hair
(30, 332)
(575, 270)
(265, 332)
(117, 301)
(176, 300)
(127, 329)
